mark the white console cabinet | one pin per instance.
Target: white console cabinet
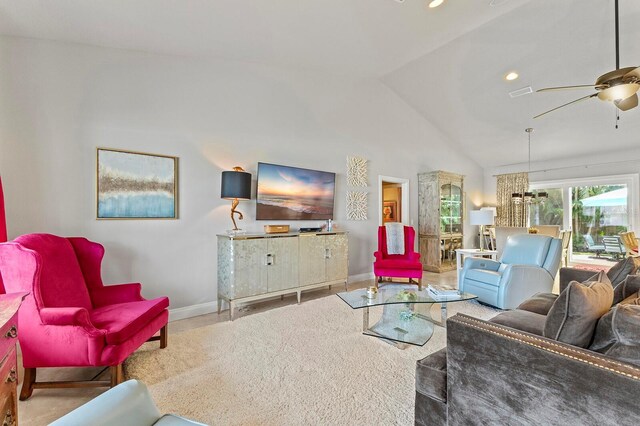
(257, 266)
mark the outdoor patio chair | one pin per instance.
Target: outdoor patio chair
(592, 246)
(614, 246)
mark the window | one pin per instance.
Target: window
(592, 208)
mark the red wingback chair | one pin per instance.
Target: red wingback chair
(405, 265)
(70, 319)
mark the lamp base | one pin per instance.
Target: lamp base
(236, 232)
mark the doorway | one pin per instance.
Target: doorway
(393, 200)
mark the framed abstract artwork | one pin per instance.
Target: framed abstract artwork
(136, 185)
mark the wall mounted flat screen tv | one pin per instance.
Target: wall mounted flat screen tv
(291, 193)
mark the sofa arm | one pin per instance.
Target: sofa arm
(572, 274)
(377, 255)
(496, 374)
(78, 317)
(119, 293)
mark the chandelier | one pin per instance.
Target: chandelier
(529, 197)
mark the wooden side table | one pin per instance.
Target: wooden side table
(9, 304)
(461, 254)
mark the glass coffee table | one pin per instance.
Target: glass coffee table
(406, 313)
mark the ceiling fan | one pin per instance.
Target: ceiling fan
(619, 86)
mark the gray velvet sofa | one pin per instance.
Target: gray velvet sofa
(505, 372)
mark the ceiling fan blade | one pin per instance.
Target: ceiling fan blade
(627, 104)
(579, 86)
(568, 103)
(634, 72)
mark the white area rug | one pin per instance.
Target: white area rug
(300, 364)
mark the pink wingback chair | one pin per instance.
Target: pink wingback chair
(405, 265)
(70, 319)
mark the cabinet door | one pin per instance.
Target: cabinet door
(428, 205)
(282, 266)
(248, 266)
(337, 253)
(312, 259)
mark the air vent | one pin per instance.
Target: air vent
(521, 92)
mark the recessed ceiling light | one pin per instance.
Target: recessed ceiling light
(495, 3)
(511, 76)
(435, 3)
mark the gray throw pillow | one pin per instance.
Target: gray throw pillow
(617, 333)
(629, 286)
(620, 270)
(575, 313)
(539, 303)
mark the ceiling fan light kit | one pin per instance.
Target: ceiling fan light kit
(619, 86)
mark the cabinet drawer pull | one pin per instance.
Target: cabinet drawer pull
(12, 333)
(12, 377)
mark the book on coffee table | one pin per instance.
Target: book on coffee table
(439, 293)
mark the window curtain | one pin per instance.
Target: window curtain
(509, 214)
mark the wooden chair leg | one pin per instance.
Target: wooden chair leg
(116, 375)
(377, 280)
(163, 337)
(419, 284)
(27, 383)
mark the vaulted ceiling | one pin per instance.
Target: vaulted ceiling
(448, 63)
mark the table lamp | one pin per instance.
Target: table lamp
(236, 185)
(481, 218)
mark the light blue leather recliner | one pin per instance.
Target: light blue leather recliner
(528, 265)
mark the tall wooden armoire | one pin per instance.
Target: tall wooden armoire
(440, 219)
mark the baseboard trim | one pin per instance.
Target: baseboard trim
(361, 277)
(211, 307)
(193, 311)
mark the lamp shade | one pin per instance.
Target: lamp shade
(481, 217)
(236, 184)
(493, 209)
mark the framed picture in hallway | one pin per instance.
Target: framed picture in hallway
(136, 185)
(390, 211)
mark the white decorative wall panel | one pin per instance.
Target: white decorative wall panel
(357, 171)
(357, 205)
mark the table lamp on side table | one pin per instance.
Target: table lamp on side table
(481, 218)
(236, 185)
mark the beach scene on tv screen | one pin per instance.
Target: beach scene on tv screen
(290, 193)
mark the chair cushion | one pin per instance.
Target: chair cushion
(397, 264)
(484, 276)
(530, 322)
(61, 281)
(431, 375)
(123, 320)
(617, 333)
(620, 270)
(573, 317)
(526, 249)
(628, 286)
(540, 303)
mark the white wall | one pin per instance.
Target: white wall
(58, 102)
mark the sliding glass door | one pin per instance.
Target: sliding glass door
(595, 209)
